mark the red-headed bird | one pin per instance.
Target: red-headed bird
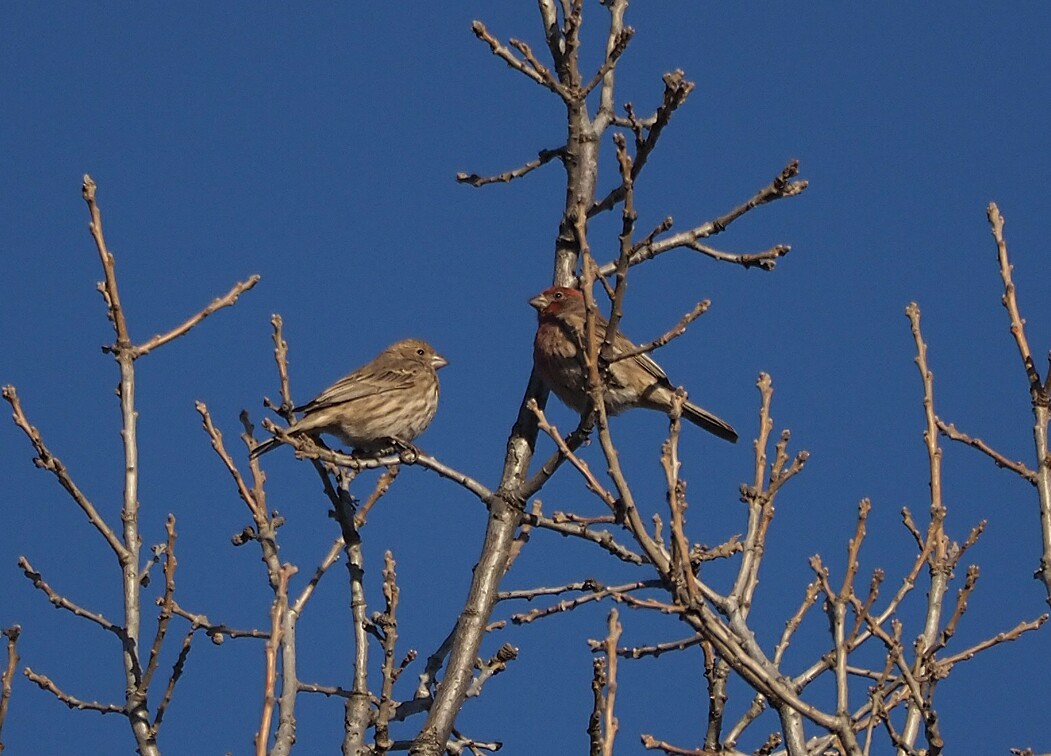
(636, 381)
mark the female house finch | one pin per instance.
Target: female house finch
(632, 382)
(394, 397)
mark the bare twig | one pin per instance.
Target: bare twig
(781, 187)
(11, 634)
(281, 358)
(227, 300)
(383, 485)
(72, 702)
(1039, 393)
(492, 667)
(598, 592)
(529, 67)
(173, 678)
(651, 743)
(325, 690)
(765, 260)
(582, 466)
(949, 431)
(676, 90)
(657, 649)
(573, 442)
(61, 602)
(1013, 634)
(544, 157)
(217, 632)
(47, 461)
(603, 538)
(677, 330)
(308, 590)
(1010, 302)
(628, 219)
(165, 603)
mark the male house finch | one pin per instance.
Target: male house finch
(632, 382)
(392, 398)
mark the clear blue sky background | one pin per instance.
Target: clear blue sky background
(317, 147)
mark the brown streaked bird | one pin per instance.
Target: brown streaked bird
(393, 398)
(636, 381)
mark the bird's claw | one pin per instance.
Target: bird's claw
(407, 452)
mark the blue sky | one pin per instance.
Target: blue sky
(318, 147)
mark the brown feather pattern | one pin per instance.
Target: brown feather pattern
(393, 397)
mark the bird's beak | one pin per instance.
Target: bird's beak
(437, 361)
(539, 302)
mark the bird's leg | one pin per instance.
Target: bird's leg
(408, 452)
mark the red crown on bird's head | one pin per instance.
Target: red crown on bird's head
(553, 300)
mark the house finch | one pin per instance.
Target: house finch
(632, 382)
(392, 398)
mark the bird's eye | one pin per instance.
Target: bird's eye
(557, 295)
(420, 352)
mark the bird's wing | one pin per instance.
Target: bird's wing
(367, 381)
(651, 367)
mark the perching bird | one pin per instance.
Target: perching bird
(632, 382)
(391, 399)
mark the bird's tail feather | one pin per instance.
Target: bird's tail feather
(702, 418)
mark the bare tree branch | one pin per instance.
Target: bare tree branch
(1040, 395)
(780, 188)
(544, 157)
(273, 643)
(11, 634)
(47, 461)
(529, 67)
(227, 300)
(949, 431)
(72, 702)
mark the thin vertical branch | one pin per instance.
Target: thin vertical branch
(937, 559)
(286, 726)
(356, 714)
(387, 624)
(11, 634)
(602, 724)
(609, 718)
(598, 686)
(123, 351)
(273, 644)
(616, 41)
(1040, 394)
(167, 602)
